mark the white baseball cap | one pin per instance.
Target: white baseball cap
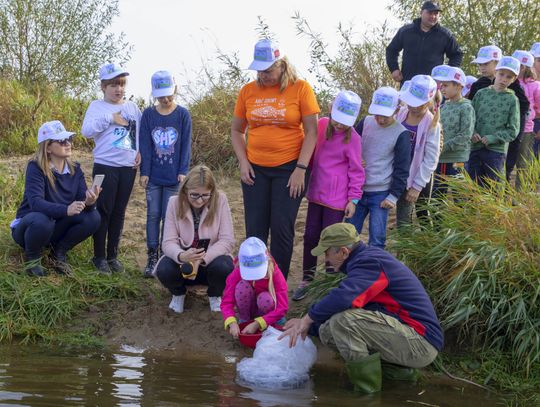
(346, 107)
(488, 53)
(253, 259)
(421, 90)
(53, 130)
(266, 53)
(162, 84)
(384, 102)
(109, 71)
(535, 50)
(446, 73)
(468, 84)
(524, 57)
(510, 63)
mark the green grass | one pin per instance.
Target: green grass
(41, 308)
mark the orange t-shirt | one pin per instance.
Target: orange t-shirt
(275, 134)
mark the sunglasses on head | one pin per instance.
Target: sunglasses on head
(196, 196)
(64, 142)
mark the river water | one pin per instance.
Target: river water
(44, 376)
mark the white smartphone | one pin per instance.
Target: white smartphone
(98, 180)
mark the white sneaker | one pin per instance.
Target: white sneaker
(215, 304)
(177, 303)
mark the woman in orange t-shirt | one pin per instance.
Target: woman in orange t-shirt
(274, 133)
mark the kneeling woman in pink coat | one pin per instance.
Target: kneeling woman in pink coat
(198, 240)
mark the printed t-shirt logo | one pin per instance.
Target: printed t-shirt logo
(126, 136)
(164, 140)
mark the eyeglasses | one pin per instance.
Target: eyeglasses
(64, 142)
(196, 196)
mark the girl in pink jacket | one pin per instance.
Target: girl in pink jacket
(257, 288)
(337, 177)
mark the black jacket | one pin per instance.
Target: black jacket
(484, 82)
(422, 51)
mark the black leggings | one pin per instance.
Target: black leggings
(213, 275)
(112, 204)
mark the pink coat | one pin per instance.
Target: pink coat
(178, 233)
(532, 91)
(337, 175)
(280, 286)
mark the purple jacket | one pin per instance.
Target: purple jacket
(337, 175)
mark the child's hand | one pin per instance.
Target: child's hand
(251, 328)
(92, 195)
(386, 204)
(234, 330)
(475, 138)
(484, 140)
(349, 210)
(412, 195)
(143, 181)
(119, 120)
(137, 160)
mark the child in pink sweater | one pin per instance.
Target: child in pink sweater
(256, 287)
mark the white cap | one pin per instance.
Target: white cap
(524, 57)
(346, 107)
(53, 130)
(421, 90)
(384, 102)
(488, 53)
(467, 88)
(253, 259)
(510, 63)
(446, 73)
(109, 71)
(162, 84)
(535, 50)
(265, 55)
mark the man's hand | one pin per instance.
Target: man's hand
(397, 75)
(296, 327)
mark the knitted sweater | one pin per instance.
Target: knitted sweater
(497, 118)
(457, 119)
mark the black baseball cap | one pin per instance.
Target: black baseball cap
(431, 6)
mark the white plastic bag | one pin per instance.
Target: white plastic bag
(276, 366)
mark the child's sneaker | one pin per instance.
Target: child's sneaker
(215, 304)
(177, 303)
(301, 292)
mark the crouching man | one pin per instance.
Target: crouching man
(379, 312)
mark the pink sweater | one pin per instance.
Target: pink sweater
(532, 91)
(178, 233)
(280, 287)
(337, 175)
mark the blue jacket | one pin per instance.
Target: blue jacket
(39, 196)
(377, 281)
(165, 145)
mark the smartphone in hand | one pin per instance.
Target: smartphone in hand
(203, 244)
(98, 180)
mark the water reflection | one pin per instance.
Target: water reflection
(131, 376)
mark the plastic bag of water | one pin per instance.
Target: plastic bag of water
(276, 366)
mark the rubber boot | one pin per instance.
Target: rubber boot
(152, 261)
(365, 374)
(391, 371)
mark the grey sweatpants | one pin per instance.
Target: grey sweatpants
(356, 333)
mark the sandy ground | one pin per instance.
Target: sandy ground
(148, 323)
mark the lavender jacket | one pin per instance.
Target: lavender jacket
(337, 175)
(178, 233)
(426, 150)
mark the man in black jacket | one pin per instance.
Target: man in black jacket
(424, 43)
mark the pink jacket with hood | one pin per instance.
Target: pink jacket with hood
(337, 175)
(532, 91)
(426, 150)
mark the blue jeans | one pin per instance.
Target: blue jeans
(157, 198)
(371, 204)
(36, 230)
(484, 164)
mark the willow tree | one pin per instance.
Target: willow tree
(58, 43)
(509, 24)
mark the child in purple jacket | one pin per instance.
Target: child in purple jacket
(337, 176)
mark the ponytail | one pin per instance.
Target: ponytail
(271, 289)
